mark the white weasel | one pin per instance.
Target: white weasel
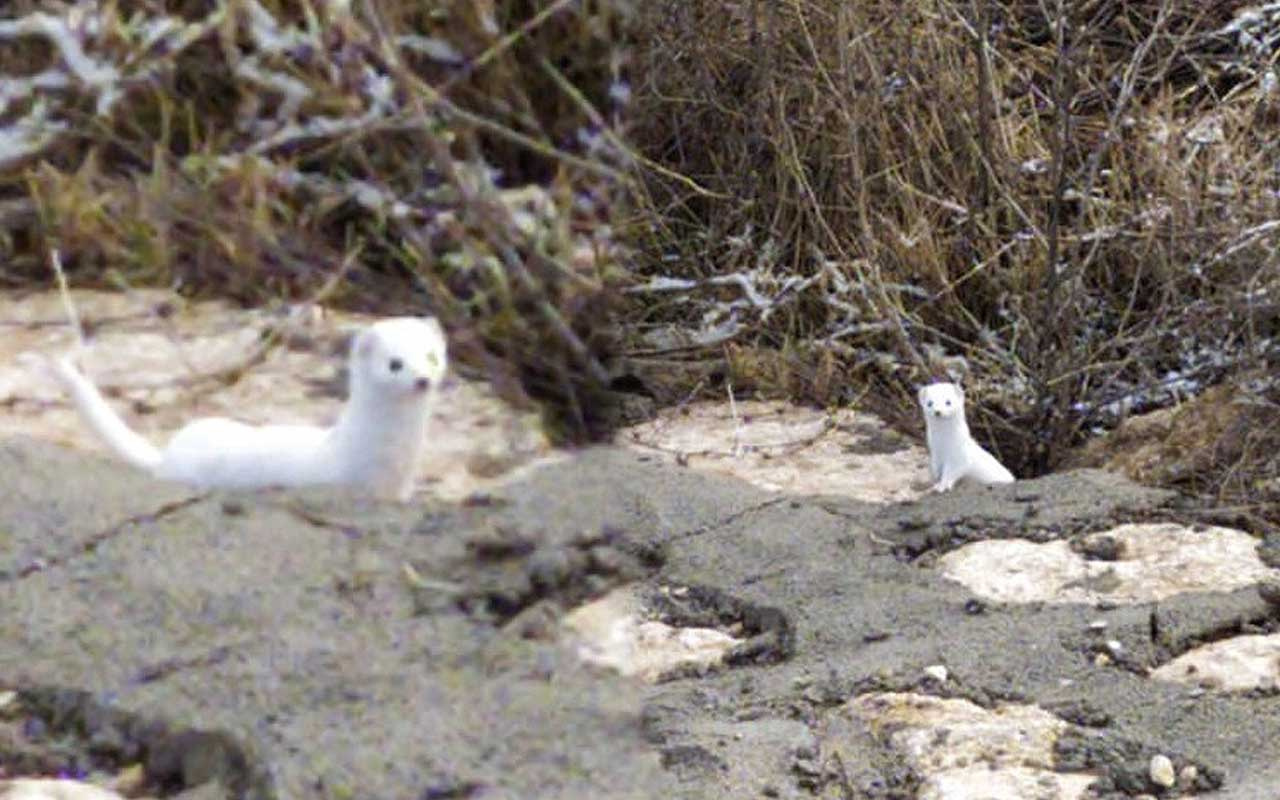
(395, 369)
(953, 454)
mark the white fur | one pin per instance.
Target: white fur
(395, 369)
(953, 454)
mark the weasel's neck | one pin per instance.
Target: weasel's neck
(944, 431)
(379, 431)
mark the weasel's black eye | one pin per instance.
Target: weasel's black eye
(948, 402)
(396, 365)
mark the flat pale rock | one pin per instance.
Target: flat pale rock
(1238, 664)
(1153, 562)
(784, 447)
(966, 752)
(612, 632)
(53, 789)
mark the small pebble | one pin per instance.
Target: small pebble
(1187, 777)
(1115, 647)
(1098, 625)
(806, 766)
(936, 671)
(1161, 771)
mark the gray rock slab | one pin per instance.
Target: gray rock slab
(275, 619)
(349, 649)
(56, 502)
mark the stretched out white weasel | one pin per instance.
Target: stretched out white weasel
(953, 454)
(395, 369)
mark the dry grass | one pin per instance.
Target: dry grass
(395, 156)
(1077, 205)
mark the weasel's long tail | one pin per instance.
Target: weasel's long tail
(104, 420)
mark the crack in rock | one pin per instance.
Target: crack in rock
(91, 543)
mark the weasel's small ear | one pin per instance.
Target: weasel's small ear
(920, 395)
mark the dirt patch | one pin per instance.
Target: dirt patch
(323, 631)
(50, 731)
(511, 571)
(1126, 766)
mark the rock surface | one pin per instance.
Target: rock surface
(1132, 563)
(281, 645)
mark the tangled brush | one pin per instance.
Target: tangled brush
(462, 159)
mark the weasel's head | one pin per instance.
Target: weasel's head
(941, 400)
(401, 357)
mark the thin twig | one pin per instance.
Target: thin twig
(737, 423)
(73, 317)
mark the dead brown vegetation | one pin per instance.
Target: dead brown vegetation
(397, 157)
(1075, 204)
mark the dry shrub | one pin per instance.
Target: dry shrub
(1223, 445)
(449, 157)
(1077, 205)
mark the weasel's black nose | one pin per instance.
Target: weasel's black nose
(422, 384)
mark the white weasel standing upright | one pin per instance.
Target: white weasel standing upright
(395, 369)
(953, 454)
